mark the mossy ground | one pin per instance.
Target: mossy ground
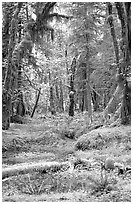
(48, 140)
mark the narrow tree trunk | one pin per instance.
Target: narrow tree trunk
(72, 92)
(57, 97)
(89, 100)
(52, 107)
(36, 103)
(20, 107)
(128, 19)
(112, 30)
(95, 99)
(88, 89)
(71, 96)
(61, 97)
(82, 101)
(126, 106)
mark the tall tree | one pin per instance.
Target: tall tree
(10, 79)
(84, 30)
(124, 14)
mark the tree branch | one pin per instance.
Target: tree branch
(47, 8)
(31, 83)
(59, 16)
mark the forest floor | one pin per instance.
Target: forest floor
(45, 139)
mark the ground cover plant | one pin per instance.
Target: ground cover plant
(80, 178)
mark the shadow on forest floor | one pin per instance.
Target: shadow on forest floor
(60, 138)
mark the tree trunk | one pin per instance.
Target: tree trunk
(36, 103)
(71, 96)
(123, 68)
(88, 87)
(52, 107)
(89, 100)
(116, 49)
(20, 106)
(128, 19)
(6, 37)
(126, 106)
(94, 99)
(111, 102)
(72, 91)
(58, 108)
(20, 109)
(71, 106)
(61, 97)
(112, 30)
(11, 73)
(124, 15)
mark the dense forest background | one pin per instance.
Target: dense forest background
(70, 56)
(66, 101)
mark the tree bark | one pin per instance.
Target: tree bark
(112, 30)
(71, 96)
(123, 68)
(61, 97)
(20, 106)
(11, 73)
(72, 91)
(52, 106)
(88, 87)
(126, 39)
(111, 102)
(58, 108)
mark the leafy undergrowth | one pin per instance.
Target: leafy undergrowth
(60, 138)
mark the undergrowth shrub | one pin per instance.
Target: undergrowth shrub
(97, 139)
(87, 143)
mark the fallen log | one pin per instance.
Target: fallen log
(25, 168)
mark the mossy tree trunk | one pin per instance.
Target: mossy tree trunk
(11, 75)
